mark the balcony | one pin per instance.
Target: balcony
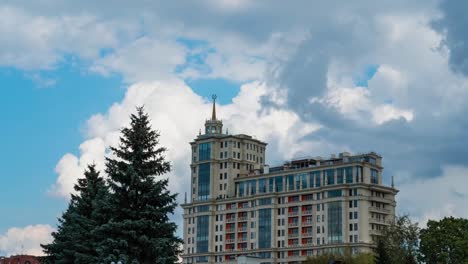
(229, 249)
(229, 241)
(242, 229)
(230, 220)
(294, 245)
(230, 230)
(308, 234)
(307, 223)
(379, 221)
(293, 224)
(379, 209)
(242, 239)
(293, 235)
(294, 213)
(307, 212)
(242, 219)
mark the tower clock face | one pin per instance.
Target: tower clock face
(213, 130)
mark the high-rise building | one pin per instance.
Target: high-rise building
(240, 206)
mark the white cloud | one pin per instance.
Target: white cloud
(384, 113)
(168, 104)
(25, 240)
(435, 198)
(70, 167)
(29, 41)
(143, 59)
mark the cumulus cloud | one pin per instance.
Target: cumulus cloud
(70, 167)
(167, 104)
(452, 24)
(299, 61)
(25, 240)
(435, 198)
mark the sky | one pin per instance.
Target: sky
(311, 78)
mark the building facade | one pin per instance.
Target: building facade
(240, 206)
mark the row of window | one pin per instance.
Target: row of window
(300, 181)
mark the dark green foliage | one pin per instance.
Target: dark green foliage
(381, 253)
(445, 241)
(74, 240)
(139, 230)
(399, 242)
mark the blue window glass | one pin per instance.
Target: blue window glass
(264, 201)
(335, 232)
(334, 193)
(304, 180)
(349, 174)
(317, 179)
(374, 176)
(204, 181)
(203, 208)
(279, 183)
(204, 151)
(241, 189)
(339, 175)
(252, 186)
(311, 179)
(297, 180)
(202, 233)
(262, 185)
(271, 180)
(290, 182)
(330, 176)
(264, 228)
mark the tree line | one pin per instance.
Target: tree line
(124, 217)
(403, 242)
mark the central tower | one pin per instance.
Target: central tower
(213, 125)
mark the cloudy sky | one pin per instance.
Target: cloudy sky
(309, 77)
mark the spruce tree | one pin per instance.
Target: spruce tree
(381, 253)
(139, 229)
(74, 241)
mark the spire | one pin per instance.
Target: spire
(213, 115)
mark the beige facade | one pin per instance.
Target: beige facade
(239, 206)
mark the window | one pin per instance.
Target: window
(339, 176)
(334, 193)
(317, 179)
(330, 176)
(204, 151)
(297, 179)
(374, 176)
(279, 183)
(262, 188)
(355, 215)
(204, 181)
(349, 174)
(290, 182)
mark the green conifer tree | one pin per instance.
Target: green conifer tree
(139, 229)
(74, 241)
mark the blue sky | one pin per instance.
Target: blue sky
(43, 123)
(308, 78)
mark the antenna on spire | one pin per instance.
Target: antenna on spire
(393, 182)
(185, 199)
(213, 116)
